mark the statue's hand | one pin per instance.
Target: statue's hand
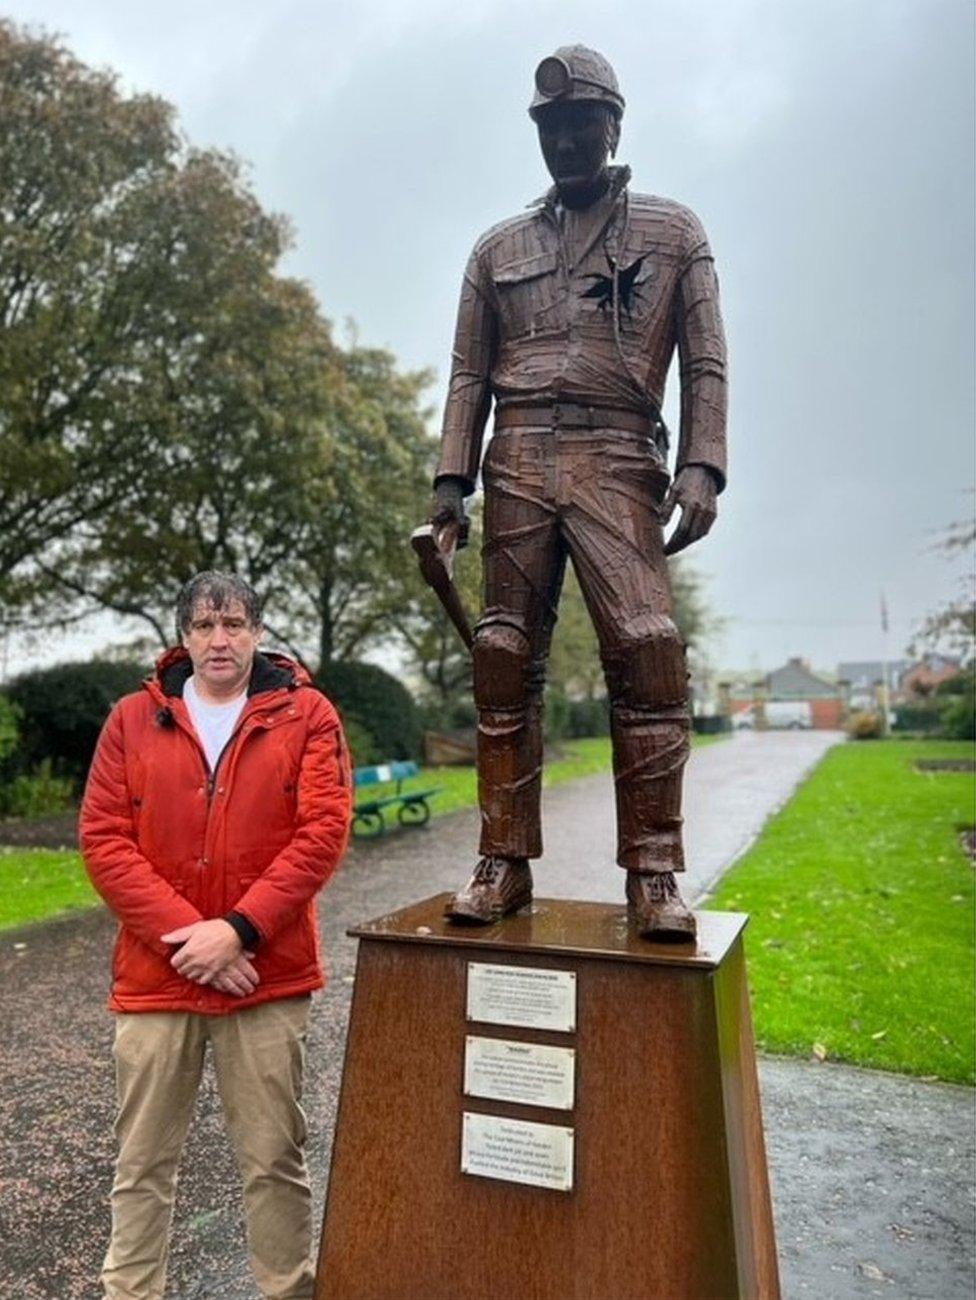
(447, 513)
(694, 490)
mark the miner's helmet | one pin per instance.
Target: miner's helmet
(575, 72)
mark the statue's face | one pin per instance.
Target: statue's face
(577, 138)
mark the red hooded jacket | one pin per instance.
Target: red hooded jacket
(166, 844)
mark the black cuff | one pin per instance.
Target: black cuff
(244, 930)
(466, 484)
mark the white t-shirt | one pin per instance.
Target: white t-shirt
(214, 723)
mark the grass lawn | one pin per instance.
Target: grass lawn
(36, 884)
(861, 940)
(459, 786)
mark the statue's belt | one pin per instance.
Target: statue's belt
(570, 415)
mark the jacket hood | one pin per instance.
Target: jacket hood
(270, 672)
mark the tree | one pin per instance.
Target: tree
(241, 398)
(79, 258)
(171, 402)
(358, 506)
(952, 628)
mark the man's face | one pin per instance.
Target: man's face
(221, 644)
(576, 136)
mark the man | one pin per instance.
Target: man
(218, 804)
(569, 318)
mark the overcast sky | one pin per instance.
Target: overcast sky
(827, 145)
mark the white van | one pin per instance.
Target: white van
(791, 715)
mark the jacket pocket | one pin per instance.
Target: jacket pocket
(140, 971)
(525, 268)
(292, 954)
(525, 290)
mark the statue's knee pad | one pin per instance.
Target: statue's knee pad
(501, 659)
(652, 671)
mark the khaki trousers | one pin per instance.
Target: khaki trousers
(259, 1058)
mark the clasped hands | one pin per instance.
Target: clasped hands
(211, 953)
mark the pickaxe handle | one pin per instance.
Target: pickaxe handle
(436, 567)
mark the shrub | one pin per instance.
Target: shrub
(964, 683)
(555, 720)
(958, 717)
(36, 795)
(454, 715)
(922, 716)
(63, 709)
(363, 749)
(865, 726)
(588, 718)
(710, 724)
(373, 702)
(9, 727)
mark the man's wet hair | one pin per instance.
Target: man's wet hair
(218, 590)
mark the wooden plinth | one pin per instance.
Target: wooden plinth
(670, 1195)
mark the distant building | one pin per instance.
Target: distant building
(861, 681)
(921, 679)
(796, 683)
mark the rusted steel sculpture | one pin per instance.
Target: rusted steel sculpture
(569, 318)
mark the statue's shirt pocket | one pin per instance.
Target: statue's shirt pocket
(525, 291)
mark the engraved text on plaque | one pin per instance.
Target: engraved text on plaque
(522, 995)
(530, 1073)
(517, 1151)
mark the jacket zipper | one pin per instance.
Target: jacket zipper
(212, 776)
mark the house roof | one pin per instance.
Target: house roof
(795, 681)
(863, 674)
(935, 663)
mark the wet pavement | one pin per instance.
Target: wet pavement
(731, 789)
(872, 1173)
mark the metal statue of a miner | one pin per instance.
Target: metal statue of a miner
(569, 317)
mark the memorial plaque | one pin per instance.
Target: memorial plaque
(517, 1151)
(528, 996)
(531, 1073)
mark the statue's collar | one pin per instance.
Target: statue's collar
(619, 179)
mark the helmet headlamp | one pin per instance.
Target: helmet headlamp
(575, 72)
(553, 77)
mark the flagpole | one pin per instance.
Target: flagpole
(885, 683)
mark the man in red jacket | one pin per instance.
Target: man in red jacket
(217, 805)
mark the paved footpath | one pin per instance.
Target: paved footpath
(872, 1173)
(731, 789)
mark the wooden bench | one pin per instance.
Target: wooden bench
(412, 808)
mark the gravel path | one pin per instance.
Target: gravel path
(872, 1173)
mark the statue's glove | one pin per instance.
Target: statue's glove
(448, 508)
(695, 490)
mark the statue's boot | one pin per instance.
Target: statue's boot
(655, 901)
(498, 887)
